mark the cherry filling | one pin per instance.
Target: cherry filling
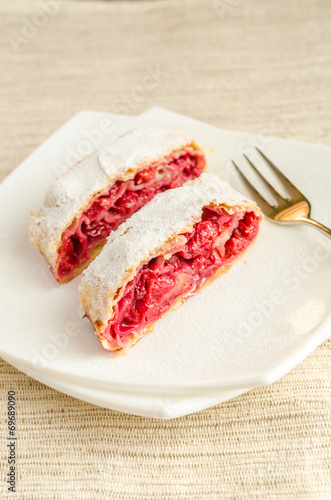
(113, 207)
(214, 242)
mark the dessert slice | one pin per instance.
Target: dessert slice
(93, 198)
(163, 254)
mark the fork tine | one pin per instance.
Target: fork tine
(278, 198)
(264, 205)
(293, 191)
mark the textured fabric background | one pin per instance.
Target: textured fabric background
(259, 66)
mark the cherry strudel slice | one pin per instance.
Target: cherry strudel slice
(163, 254)
(93, 198)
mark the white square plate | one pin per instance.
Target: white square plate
(246, 329)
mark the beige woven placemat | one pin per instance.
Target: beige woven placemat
(246, 65)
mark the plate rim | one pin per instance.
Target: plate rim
(263, 378)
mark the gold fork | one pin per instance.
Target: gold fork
(293, 209)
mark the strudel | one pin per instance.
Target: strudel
(93, 198)
(163, 254)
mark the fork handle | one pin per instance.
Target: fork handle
(316, 224)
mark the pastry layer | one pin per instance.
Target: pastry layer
(92, 198)
(196, 231)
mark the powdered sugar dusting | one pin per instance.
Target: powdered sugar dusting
(68, 195)
(140, 146)
(166, 216)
